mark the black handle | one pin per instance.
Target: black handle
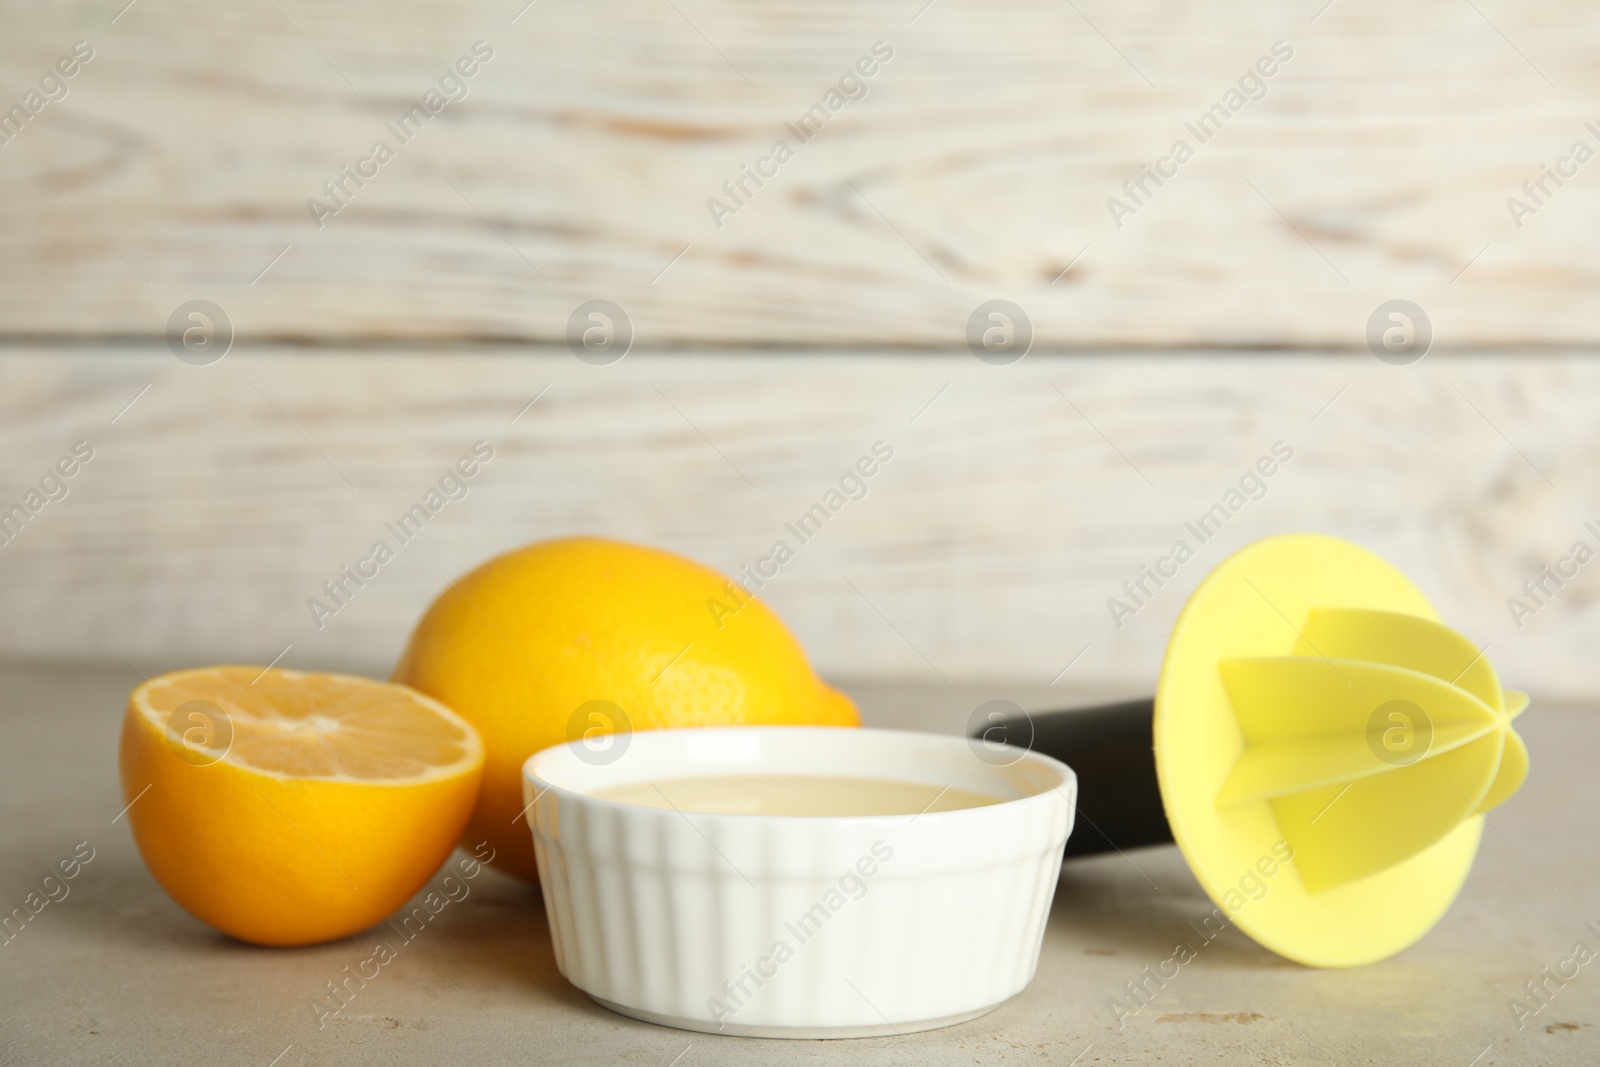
(1112, 750)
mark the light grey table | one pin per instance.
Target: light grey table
(115, 973)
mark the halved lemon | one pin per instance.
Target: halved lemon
(287, 808)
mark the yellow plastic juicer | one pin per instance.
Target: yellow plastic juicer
(1324, 747)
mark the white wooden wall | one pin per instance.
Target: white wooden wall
(1014, 506)
(823, 315)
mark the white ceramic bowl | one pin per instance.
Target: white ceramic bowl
(783, 926)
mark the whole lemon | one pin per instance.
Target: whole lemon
(581, 637)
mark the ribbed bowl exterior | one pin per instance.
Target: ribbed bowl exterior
(798, 923)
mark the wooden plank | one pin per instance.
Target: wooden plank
(1017, 501)
(979, 164)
